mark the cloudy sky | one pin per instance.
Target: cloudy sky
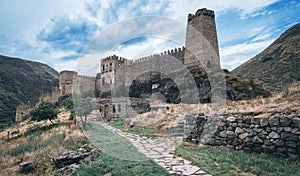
(60, 32)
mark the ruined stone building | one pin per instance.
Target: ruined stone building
(112, 85)
(69, 83)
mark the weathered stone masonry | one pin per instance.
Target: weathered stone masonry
(278, 135)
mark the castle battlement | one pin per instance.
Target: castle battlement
(85, 77)
(173, 52)
(113, 57)
(201, 12)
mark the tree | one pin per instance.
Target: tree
(45, 111)
(83, 107)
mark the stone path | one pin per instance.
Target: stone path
(161, 150)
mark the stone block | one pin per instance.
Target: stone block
(238, 130)
(264, 122)
(279, 142)
(285, 121)
(274, 121)
(223, 134)
(287, 136)
(243, 135)
(274, 135)
(268, 148)
(231, 119)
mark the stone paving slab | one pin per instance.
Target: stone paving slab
(161, 150)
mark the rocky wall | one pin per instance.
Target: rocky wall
(278, 135)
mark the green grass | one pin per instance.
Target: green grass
(116, 166)
(218, 161)
(118, 155)
(118, 123)
(34, 142)
(147, 131)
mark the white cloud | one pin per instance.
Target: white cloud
(233, 56)
(262, 37)
(183, 7)
(23, 21)
(152, 45)
(65, 65)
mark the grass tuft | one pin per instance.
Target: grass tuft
(218, 161)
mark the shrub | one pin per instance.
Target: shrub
(32, 130)
(44, 111)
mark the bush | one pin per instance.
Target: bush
(32, 130)
(68, 104)
(44, 111)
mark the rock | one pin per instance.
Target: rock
(223, 134)
(231, 119)
(230, 134)
(273, 135)
(26, 168)
(279, 142)
(274, 128)
(69, 161)
(264, 122)
(257, 140)
(267, 142)
(68, 169)
(291, 144)
(287, 136)
(239, 130)
(288, 129)
(296, 122)
(221, 124)
(274, 121)
(243, 135)
(285, 121)
(268, 148)
(67, 158)
(88, 159)
(257, 130)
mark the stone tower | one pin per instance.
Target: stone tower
(201, 41)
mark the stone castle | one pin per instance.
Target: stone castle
(111, 86)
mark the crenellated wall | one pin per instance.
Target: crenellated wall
(69, 82)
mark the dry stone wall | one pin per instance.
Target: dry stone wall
(278, 135)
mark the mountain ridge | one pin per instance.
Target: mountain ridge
(22, 81)
(277, 66)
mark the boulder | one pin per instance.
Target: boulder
(82, 154)
(26, 168)
(67, 158)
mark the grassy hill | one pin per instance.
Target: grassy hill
(278, 65)
(22, 81)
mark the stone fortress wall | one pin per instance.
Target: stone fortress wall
(277, 134)
(69, 82)
(103, 83)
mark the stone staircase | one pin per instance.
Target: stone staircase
(178, 130)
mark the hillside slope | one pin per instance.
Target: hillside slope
(278, 65)
(22, 81)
